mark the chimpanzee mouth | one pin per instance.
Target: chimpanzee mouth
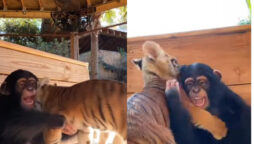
(29, 100)
(199, 101)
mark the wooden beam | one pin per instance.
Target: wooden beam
(41, 5)
(27, 14)
(113, 33)
(89, 3)
(81, 34)
(110, 5)
(74, 46)
(5, 5)
(23, 5)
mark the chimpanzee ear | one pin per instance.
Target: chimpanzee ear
(138, 63)
(217, 73)
(4, 90)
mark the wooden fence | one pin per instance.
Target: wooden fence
(59, 70)
(226, 49)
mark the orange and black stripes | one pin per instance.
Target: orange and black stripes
(94, 103)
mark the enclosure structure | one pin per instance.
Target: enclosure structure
(112, 48)
(226, 49)
(65, 11)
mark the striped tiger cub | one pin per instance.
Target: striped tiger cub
(147, 112)
(99, 104)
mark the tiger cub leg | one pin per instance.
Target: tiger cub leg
(52, 136)
(83, 136)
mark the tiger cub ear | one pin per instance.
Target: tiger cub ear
(43, 81)
(152, 50)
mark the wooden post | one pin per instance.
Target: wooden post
(94, 47)
(74, 46)
(94, 55)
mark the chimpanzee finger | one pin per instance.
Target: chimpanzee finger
(172, 84)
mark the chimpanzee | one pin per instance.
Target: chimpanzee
(204, 88)
(19, 123)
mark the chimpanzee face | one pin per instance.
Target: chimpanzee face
(197, 88)
(200, 82)
(21, 85)
(27, 88)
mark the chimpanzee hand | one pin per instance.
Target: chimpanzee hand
(172, 92)
(56, 121)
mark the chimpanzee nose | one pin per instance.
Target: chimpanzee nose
(30, 88)
(196, 89)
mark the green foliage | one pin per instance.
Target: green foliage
(58, 47)
(247, 20)
(114, 16)
(23, 26)
(32, 26)
(249, 6)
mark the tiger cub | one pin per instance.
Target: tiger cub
(99, 104)
(147, 113)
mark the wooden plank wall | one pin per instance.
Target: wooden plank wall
(59, 70)
(226, 49)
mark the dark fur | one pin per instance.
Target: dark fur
(18, 126)
(224, 103)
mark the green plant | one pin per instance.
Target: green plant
(32, 26)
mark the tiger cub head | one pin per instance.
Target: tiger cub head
(157, 62)
(41, 95)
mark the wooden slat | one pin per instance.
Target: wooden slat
(227, 50)
(42, 64)
(4, 5)
(23, 5)
(27, 14)
(24, 49)
(216, 31)
(53, 82)
(41, 5)
(110, 5)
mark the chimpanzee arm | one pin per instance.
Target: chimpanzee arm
(25, 125)
(180, 120)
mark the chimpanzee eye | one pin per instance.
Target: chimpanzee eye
(202, 83)
(189, 84)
